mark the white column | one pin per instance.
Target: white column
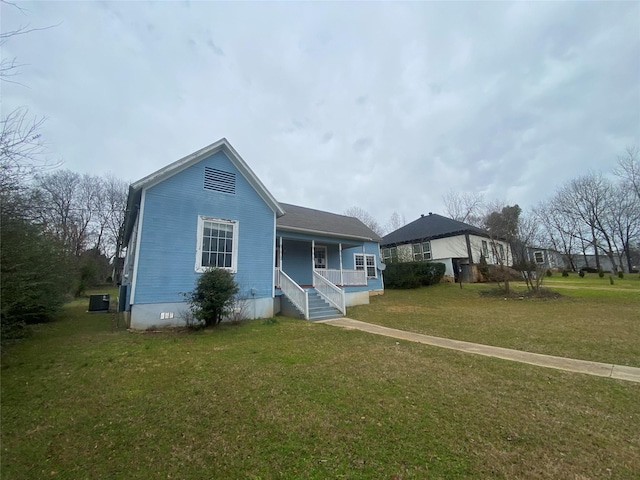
(313, 262)
(280, 254)
(340, 249)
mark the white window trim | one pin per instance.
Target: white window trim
(364, 259)
(234, 253)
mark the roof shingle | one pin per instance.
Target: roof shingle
(307, 219)
(430, 227)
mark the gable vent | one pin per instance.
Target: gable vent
(219, 181)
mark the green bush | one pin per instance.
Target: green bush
(620, 274)
(548, 273)
(413, 274)
(213, 296)
(565, 273)
(589, 269)
(581, 273)
(601, 274)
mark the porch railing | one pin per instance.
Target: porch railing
(294, 292)
(330, 292)
(349, 277)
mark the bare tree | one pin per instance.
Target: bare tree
(502, 223)
(623, 221)
(465, 207)
(629, 169)
(557, 231)
(22, 150)
(395, 222)
(113, 203)
(365, 218)
(589, 198)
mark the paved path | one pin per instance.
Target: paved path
(619, 372)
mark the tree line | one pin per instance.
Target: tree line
(588, 217)
(60, 231)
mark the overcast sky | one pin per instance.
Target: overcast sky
(385, 106)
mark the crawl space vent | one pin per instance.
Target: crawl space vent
(219, 181)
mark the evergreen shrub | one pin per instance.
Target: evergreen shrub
(413, 274)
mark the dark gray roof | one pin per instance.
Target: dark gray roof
(430, 227)
(301, 219)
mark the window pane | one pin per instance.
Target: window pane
(205, 259)
(228, 246)
(206, 244)
(227, 260)
(417, 248)
(207, 229)
(426, 247)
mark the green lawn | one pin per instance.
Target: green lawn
(292, 399)
(593, 320)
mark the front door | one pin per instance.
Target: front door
(320, 257)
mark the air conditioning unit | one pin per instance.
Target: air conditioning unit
(99, 302)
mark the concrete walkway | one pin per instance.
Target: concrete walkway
(620, 372)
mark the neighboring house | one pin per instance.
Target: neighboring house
(209, 209)
(546, 258)
(444, 240)
(589, 260)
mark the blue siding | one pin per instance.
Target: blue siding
(166, 263)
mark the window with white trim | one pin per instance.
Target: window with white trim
(539, 257)
(422, 251)
(368, 261)
(390, 254)
(217, 244)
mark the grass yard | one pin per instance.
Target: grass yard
(593, 320)
(298, 400)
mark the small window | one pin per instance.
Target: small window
(417, 251)
(539, 257)
(217, 244)
(426, 250)
(366, 261)
(501, 249)
(390, 254)
(485, 250)
(422, 251)
(371, 266)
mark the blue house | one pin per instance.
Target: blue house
(209, 209)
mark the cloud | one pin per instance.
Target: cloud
(383, 105)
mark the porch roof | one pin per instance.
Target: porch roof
(308, 220)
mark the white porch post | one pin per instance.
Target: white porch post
(340, 249)
(280, 254)
(313, 261)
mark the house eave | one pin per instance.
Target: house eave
(435, 237)
(325, 234)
